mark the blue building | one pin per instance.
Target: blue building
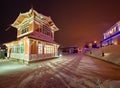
(112, 35)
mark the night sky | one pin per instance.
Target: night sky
(79, 21)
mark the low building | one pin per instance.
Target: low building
(112, 35)
(90, 45)
(35, 37)
(70, 50)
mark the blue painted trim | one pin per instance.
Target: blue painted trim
(112, 36)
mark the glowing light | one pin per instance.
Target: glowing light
(95, 41)
(106, 54)
(110, 32)
(115, 42)
(60, 55)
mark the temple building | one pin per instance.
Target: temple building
(35, 38)
(112, 35)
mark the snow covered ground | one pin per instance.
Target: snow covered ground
(111, 53)
(69, 71)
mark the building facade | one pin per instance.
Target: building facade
(112, 35)
(70, 50)
(35, 37)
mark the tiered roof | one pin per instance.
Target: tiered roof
(33, 13)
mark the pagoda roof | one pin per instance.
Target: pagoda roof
(33, 13)
(21, 17)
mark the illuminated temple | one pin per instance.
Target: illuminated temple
(35, 38)
(112, 35)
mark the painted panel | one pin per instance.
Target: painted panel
(18, 32)
(30, 27)
(36, 26)
(26, 46)
(33, 47)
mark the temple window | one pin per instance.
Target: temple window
(46, 30)
(17, 48)
(49, 49)
(24, 28)
(40, 49)
(22, 48)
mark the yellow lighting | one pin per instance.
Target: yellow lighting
(115, 43)
(110, 32)
(95, 41)
(27, 41)
(106, 54)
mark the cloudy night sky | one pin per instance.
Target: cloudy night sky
(79, 21)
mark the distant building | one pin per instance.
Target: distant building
(90, 45)
(35, 37)
(112, 35)
(70, 49)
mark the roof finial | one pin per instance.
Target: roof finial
(32, 7)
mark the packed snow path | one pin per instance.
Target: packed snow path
(68, 71)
